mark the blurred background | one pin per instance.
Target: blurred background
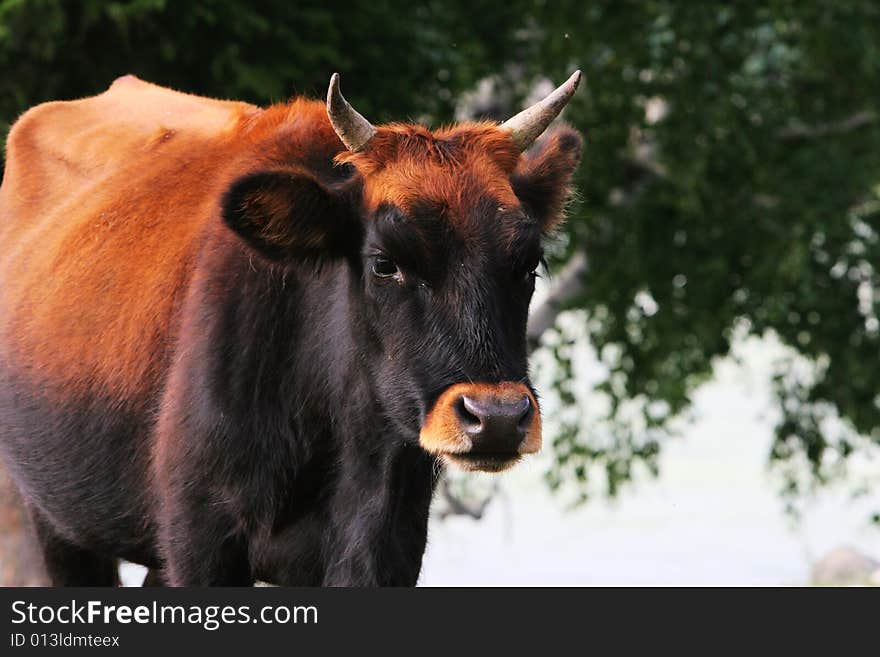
(706, 341)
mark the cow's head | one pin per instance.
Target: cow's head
(442, 235)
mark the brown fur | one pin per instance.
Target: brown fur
(84, 301)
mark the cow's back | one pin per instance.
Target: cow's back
(101, 205)
(109, 218)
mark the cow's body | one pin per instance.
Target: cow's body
(170, 397)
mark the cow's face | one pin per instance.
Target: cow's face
(441, 233)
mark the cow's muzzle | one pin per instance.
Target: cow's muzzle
(480, 426)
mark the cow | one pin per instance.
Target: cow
(240, 344)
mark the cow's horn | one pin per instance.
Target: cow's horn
(528, 125)
(353, 129)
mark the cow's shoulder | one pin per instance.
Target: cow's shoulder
(80, 138)
(101, 206)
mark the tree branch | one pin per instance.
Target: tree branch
(567, 285)
(854, 122)
(455, 506)
(571, 281)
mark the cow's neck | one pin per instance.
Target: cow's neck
(379, 504)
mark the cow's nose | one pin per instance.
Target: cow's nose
(495, 425)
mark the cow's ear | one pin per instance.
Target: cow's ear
(290, 216)
(542, 180)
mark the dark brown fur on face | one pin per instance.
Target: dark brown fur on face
(200, 370)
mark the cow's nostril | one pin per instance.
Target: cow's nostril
(468, 414)
(527, 410)
(493, 424)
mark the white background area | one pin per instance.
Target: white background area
(712, 517)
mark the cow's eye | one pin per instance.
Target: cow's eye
(385, 267)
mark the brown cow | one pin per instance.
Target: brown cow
(235, 343)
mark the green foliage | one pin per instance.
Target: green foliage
(746, 200)
(734, 214)
(398, 59)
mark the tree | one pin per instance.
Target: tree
(399, 59)
(732, 180)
